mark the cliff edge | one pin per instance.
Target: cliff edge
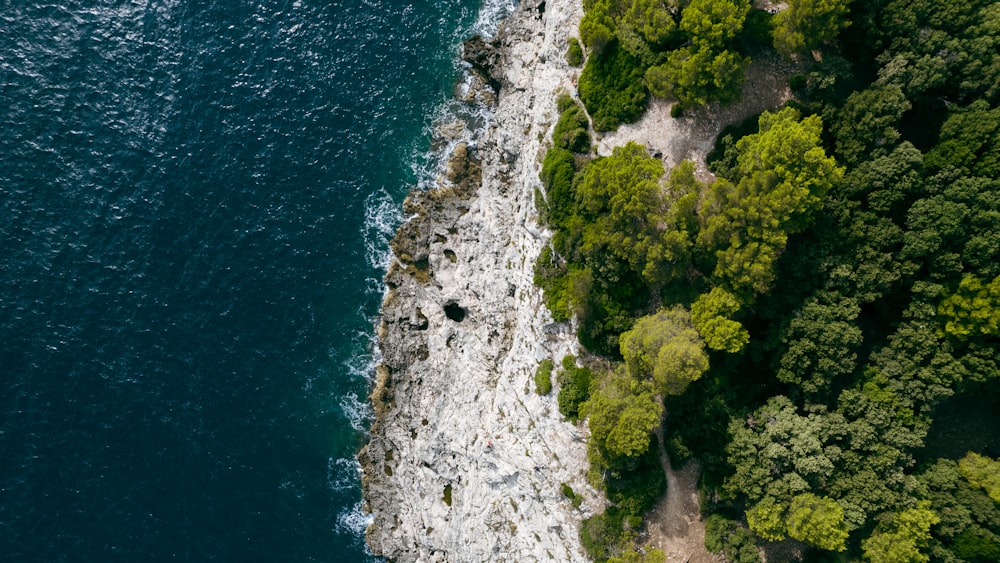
(465, 461)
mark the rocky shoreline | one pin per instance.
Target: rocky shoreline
(465, 461)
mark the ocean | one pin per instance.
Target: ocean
(196, 198)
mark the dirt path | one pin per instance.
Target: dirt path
(675, 524)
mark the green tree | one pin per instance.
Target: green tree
(597, 26)
(712, 314)
(969, 141)
(698, 74)
(974, 309)
(867, 125)
(714, 23)
(644, 27)
(808, 24)
(666, 349)
(622, 414)
(777, 452)
(903, 538)
(982, 472)
(817, 521)
(821, 343)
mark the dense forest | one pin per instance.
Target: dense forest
(819, 324)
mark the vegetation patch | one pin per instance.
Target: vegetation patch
(612, 87)
(543, 377)
(574, 53)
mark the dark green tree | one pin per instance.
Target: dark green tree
(821, 343)
(867, 125)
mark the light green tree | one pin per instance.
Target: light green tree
(714, 23)
(904, 538)
(767, 519)
(698, 74)
(712, 315)
(622, 414)
(782, 174)
(817, 521)
(974, 309)
(982, 472)
(666, 349)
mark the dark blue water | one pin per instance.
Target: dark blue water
(194, 200)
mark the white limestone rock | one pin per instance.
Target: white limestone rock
(463, 329)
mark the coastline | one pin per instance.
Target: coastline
(465, 461)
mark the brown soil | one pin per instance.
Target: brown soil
(675, 524)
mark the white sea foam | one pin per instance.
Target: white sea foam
(491, 14)
(382, 216)
(473, 118)
(343, 473)
(358, 413)
(353, 520)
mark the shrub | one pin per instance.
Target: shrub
(574, 54)
(558, 169)
(543, 377)
(636, 488)
(676, 111)
(574, 388)
(550, 276)
(447, 494)
(567, 491)
(571, 130)
(613, 88)
(602, 535)
(727, 536)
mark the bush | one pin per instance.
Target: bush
(447, 494)
(558, 169)
(571, 130)
(603, 535)
(574, 388)
(550, 276)
(543, 377)
(613, 88)
(676, 111)
(636, 489)
(727, 536)
(569, 493)
(574, 54)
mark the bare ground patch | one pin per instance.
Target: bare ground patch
(675, 524)
(692, 136)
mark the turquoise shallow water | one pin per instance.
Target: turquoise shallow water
(194, 210)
